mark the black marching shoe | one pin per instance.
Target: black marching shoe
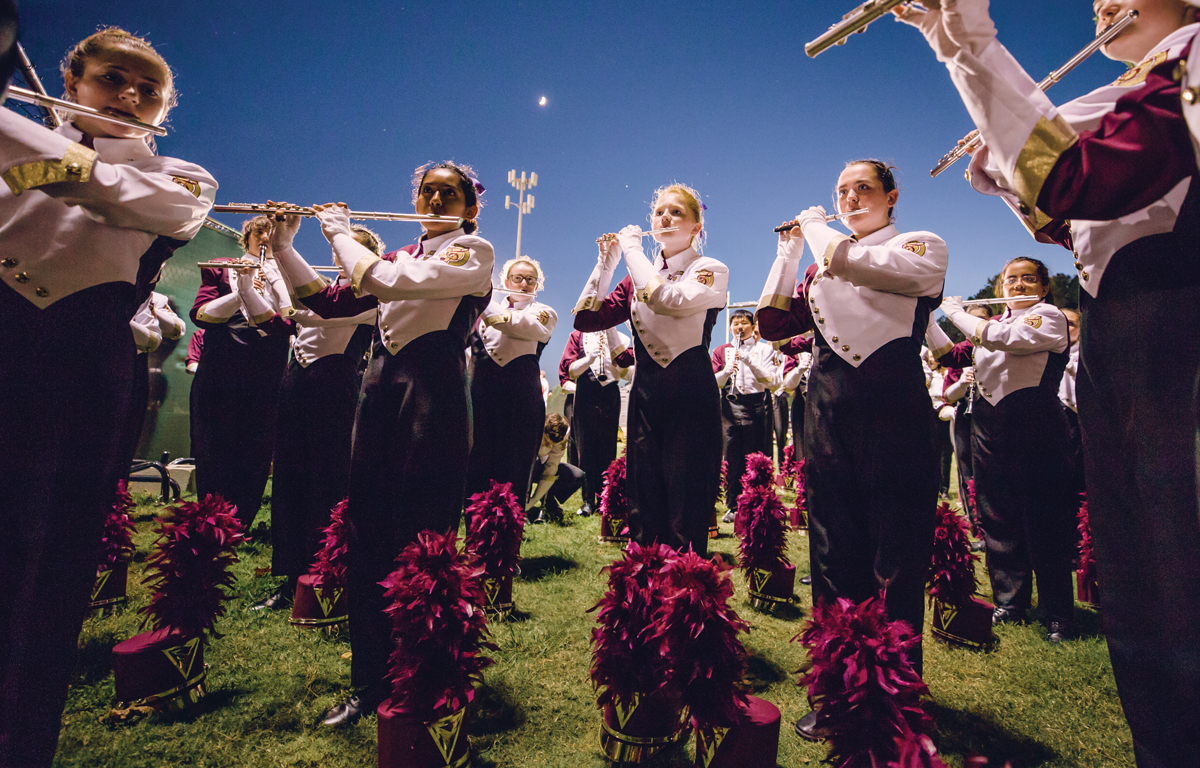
(806, 728)
(806, 579)
(585, 510)
(1008, 615)
(282, 598)
(978, 546)
(538, 517)
(350, 710)
(1059, 631)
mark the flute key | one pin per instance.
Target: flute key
(830, 217)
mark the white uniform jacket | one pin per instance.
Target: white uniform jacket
(72, 218)
(418, 292)
(756, 368)
(604, 365)
(865, 292)
(514, 326)
(1025, 133)
(1012, 350)
(669, 300)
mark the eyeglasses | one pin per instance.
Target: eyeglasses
(1027, 279)
(532, 280)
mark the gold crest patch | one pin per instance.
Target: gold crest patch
(1137, 73)
(705, 276)
(456, 255)
(1034, 321)
(188, 184)
(916, 246)
(543, 317)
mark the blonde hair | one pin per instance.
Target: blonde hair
(114, 38)
(250, 226)
(691, 201)
(367, 239)
(508, 265)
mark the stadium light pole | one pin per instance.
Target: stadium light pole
(524, 202)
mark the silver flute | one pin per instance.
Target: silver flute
(856, 21)
(831, 217)
(971, 143)
(299, 210)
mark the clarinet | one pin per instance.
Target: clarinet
(732, 395)
(601, 377)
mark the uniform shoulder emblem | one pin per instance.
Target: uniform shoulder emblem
(674, 276)
(1137, 73)
(543, 317)
(455, 255)
(188, 184)
(704, 276)
(1034, 321)
(916, 246)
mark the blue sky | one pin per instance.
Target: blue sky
(314, 102)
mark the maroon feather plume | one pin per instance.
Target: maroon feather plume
(495, 526)
(952, 566)
(867, 692)
(723, 489)
(613, 501)
(971, 504)
(435, 598)
(1087, 555)
(116, 539)
(627, 657)
(699, 633)
(761, 519)
(189, 567)
(915, 751)
(329, 569)
(789, 468)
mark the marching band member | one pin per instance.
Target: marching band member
(194, 348)
(1119, 166)
(795, 380)
(557, 480)
(1026, 509)
(154, 321)
(1066, 396)
(870, 473)
(317, 399)
(593, 363)
(744, 375)
(506, 390)
(780, 407)
(412, 430)
(674, 416)
(959, 391)
(235, 395)
(79, 208)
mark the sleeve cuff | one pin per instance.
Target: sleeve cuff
(75, 165)
(309, 289)
(496, 319)
(647, 293)
(1049, 139)
(264, 317)
(828, 258)
(775, 301)
(587, 304)
(360, 271)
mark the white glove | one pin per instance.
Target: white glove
(931, 26)
(610, 253)
(946, 412)
(284, 232)
(245, 280)
(811, 216)
(952, 304)
(335, 220)
(630, 238)
(730, 357)
(968, 24)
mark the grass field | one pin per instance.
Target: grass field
(1026, 701)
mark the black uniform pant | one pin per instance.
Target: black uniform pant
(1019, 454)
(412, 434)
(1139, 358)
(597, 417)
(509, 416)
(139, 398)
(780, 413)
(312, 457)
(944, 450)
(567, 480)
(962, 460)
(66, 373)
(674, 451)
(743, 422)
(234, 408)
(871, 479)
(798, 408)
(569, 415)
